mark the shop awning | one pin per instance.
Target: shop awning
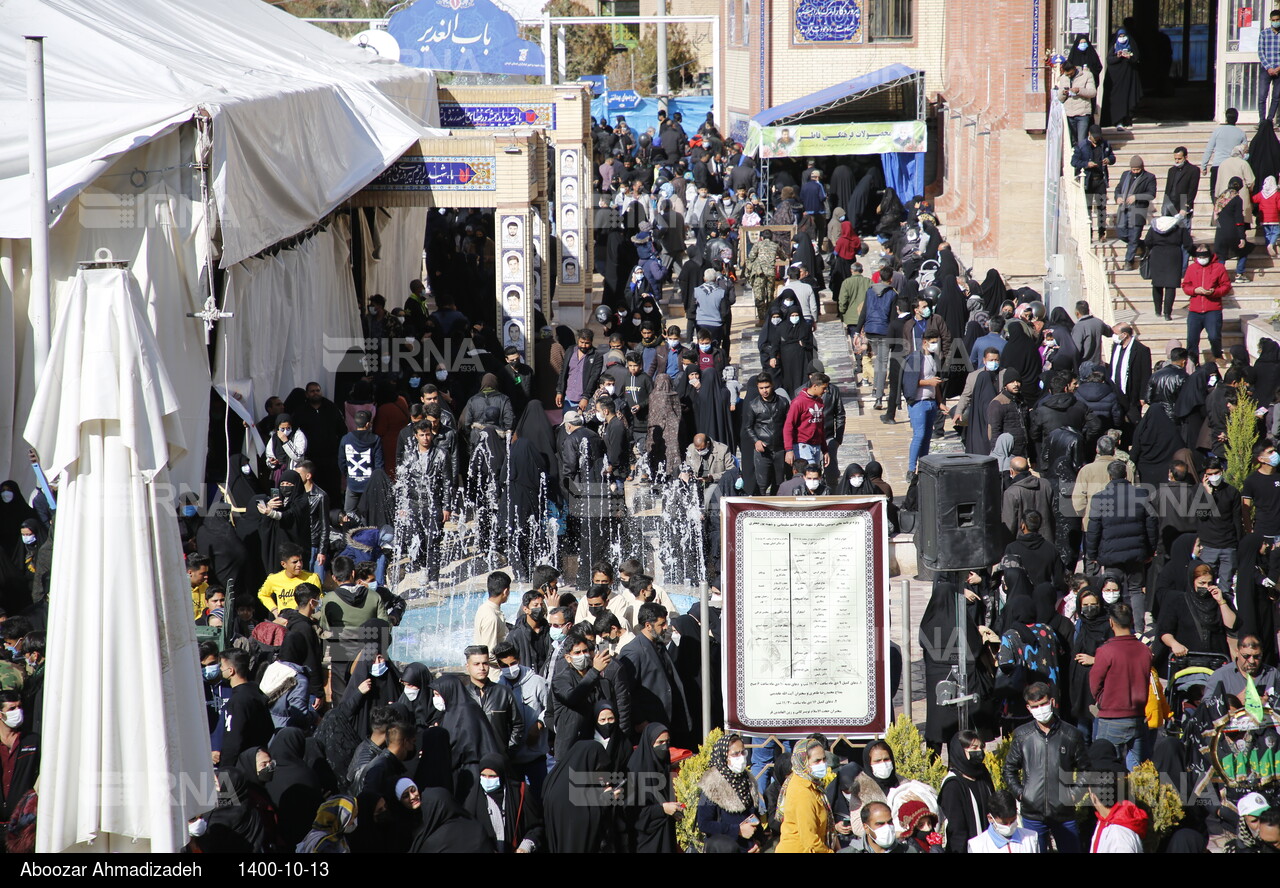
(907, 81)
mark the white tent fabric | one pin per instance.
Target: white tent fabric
(400, 233)
(295, 315)
(301, 118)
(125, 759)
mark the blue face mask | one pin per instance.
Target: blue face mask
(737, 485)
(489, 784)
(415, 381)
(377, 670)
(188, 511)
(704, 346)
(993, 365)
(1273, 460)
(819, 771)
(926, 311)
(557, 633)
(212, 672)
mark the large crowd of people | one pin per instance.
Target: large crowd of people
(470, 454)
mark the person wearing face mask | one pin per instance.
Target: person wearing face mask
(1075, 87)
(1092, 161)
(712, 313)
(1092, 629)
(1122, 85)
(575, 689)
(580, 373)
(1003, 835)
(20, 752)
(530, 635)
(14, 511)
(1269, 62)
(25, 578)
(246, 716)
(730, 803)
(1231, 236)
(657, 692)
(708, 459)
(1167, 243)
(343, 609)
(1134, 193)
(1206, 281)
(876, 780)
(371, 664)
(965, 794)
(511, 817)
(1130, 366)
(651, 810)
(1198, 619)
(878, 835)
(1042, 759)
(807, 824)
(531, 694)
(921, 386)
(914, 807)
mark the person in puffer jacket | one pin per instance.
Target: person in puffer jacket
(1099, 395)
(1062, 408)
(1123, 533)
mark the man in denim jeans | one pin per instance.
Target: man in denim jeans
(920, 381)
(804, 432)
(1119, 681)
(1039, 770)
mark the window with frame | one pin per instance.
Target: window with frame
(891, 20)
(746, 22)
(733, 23)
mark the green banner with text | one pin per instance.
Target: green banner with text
(825, 139)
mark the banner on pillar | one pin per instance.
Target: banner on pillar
(417, 173)
(513, 278)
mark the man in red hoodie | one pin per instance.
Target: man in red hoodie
(1119, 680)
(804, 432)
(1206, 282)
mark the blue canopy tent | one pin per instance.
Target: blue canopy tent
(645, 113)
(893, 93)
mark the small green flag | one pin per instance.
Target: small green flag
(1252, 701)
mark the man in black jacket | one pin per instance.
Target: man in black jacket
(246, 719)
(494, 699)
(1181, 186)
(324, 425)
(762, 432)
(1039, 770)
(301, 644)
(658, 695)
(1122, 534)
(580, 373)
(1167, 382)
(1039, 557)
(1130, 371)
(1218, 523)
(1063, 408)
(19, 754)
(531, 634)
(575, 689)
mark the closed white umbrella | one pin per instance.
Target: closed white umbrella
(125, 760)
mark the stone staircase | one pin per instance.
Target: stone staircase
(1131, 295)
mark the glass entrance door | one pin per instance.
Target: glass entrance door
(1237, 67)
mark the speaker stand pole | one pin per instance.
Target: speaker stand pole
(907, 707)
(962, 636)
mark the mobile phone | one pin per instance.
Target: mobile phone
(275, 493)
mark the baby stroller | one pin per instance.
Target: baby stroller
(1186, 681)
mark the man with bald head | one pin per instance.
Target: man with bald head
(709, 460)
(1026, 493)
(1130, 371)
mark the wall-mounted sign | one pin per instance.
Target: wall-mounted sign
(438, 174)
(463, 35)
(455, 116)
(827, 21)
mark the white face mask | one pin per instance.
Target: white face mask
(1110, 596)
(411, 694)
(197, 827)
(882, 770)
(13, 718)
(1004, 829)
(600, 417)
(246, 469)
(675, 637)
(6, 496)
(812, 483)
(1214, 480)
(737, 763)
(819, 771)
(1042, 713)
(1202, 260)
(932, 347)
(438, 702)
(855, 480)
(795, 319)
(610, 388)
(884, 836)
(442, 375)
(511, 672)
(775, 321)
(28, 540)
(580, 661)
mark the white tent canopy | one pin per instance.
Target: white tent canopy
(301, 119)
(125, 745)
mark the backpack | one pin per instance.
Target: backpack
(264, 647)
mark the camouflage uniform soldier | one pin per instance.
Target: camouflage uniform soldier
(762, 273)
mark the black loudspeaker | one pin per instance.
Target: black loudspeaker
(959, 525)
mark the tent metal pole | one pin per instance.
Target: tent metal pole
(38, 310)
(546, 49)
(704, 653)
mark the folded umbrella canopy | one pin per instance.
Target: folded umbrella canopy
(125, 759)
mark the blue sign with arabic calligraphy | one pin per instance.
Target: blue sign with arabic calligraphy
(418, 173)
(828, 21)
(455, 116)
(474, 36)
(623, 100)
